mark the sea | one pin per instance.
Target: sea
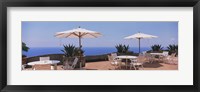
(88, 51)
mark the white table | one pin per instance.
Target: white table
(160, 56)
(157, 54)
(52, 62)
(126, 57)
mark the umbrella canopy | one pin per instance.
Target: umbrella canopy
(78, 33)
(140, 36)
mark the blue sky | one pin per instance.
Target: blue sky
(41, 34)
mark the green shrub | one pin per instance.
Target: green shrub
(125, 49)
(156, 48)
(122, 48)
(24, 48)
(71, 51)
(172, 48)
(119, 48)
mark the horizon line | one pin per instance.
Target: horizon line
(84, 47)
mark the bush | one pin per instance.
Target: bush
(123, 49)
(172, 48)
(71, 51)
(156, 48)
(24, 48)
(119, 48)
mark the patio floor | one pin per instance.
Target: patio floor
(106, 65)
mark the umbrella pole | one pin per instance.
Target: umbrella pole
(139, 45)
(80, 42)
(80, 52)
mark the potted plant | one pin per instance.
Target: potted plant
(123, 50)
(172, 48)
(24, 48)
(70, 52)
(156, 48)
(119, 48)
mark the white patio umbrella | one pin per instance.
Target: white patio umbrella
(140, 36)
(78, 33)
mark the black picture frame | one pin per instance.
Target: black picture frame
(98, 3)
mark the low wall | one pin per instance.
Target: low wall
(60, 57)
(52, 57)
(96, 58)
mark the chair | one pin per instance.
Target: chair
(114, 55)
(175, 60)
(136, 63)
(44, 58)
(23, 66)
(115, 61)
(109, 58)
(149, 57)
(165, 53)
(42, 67)
(154, 58)
(144, 52)
(68, 67)
(163, 56)
(171, 59)
(112, 61)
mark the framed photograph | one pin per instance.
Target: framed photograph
(129, 45)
